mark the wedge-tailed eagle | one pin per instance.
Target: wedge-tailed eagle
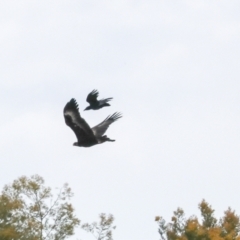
(86, 136)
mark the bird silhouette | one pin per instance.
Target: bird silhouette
(94, 103)
(87, 136)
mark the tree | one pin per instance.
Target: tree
(28, 211)
(103, 229)
(180, 228)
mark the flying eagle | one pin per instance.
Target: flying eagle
(87, 136)
(94, 103)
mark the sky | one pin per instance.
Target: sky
(172, 68)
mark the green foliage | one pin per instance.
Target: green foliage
(28, 211)
(180, 228)
(103, 229)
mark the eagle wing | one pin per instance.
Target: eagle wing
(102, 127)
(73, 119)
(92, 97)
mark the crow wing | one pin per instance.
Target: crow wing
(92, 97)
(76, 122)
(103, 101)
(102, 127)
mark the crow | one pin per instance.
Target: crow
(87, 136)
(94, 103)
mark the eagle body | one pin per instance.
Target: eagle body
(87, 136)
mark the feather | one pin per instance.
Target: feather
(102, 127)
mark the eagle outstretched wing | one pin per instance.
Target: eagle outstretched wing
(102, 127)
(74, 120)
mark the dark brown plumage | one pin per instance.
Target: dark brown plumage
(87, 136)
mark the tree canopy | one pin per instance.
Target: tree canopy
(29, 211)
(103, 229)
(208, 228)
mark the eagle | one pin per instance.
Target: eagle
(94, 103)
(86, 136)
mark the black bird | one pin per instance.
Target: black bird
(94, 103)
(87, 136)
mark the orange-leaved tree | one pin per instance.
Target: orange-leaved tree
(208, 228)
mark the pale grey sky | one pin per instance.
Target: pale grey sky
(172, 68)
